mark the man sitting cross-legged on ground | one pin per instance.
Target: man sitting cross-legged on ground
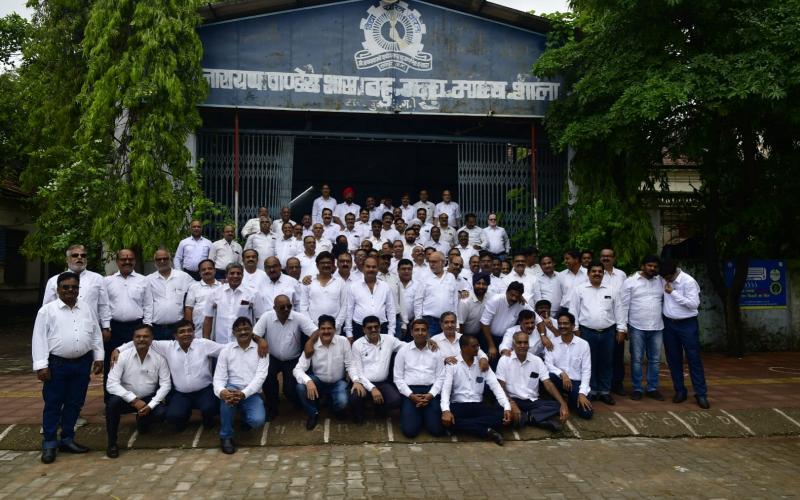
(462, 396)
(570, 366)
(323, 373)
(132, 384)
(238, 379)
(520, 375)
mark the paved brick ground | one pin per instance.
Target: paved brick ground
(607, 468)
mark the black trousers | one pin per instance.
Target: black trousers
(270, 387)
(541, 409)
(116, 407)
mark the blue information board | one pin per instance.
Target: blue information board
(765, 287)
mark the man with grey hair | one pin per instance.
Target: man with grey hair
(92, 292)
(168, 289)
(437, 293)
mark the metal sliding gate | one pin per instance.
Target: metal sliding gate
(265, 172)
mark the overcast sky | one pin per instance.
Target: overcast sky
(540, 6)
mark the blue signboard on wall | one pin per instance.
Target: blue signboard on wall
(765, 286)
(370, 56)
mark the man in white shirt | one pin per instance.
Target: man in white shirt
(462, 396)
(252, 225)
(130, 304)
(353, 236)
(369, 297)
(286, 218)
(474, 232)
(346, 207)
(408, 288)
(364, 225)
(437, 292)
(323, 374)
(226, 303)
(325, 294)
(470, 309)
(448, 232)
(464, 248)
(168, 289)
(322, 202)
(262, 242)
(225, 251)
(191, 250)
(499, 314)
(463, 276)
(573, 275)
(66, 346)
(304, 229)
(407, 210)
(642, 297)
(391, 279)
(570, 366)
(547, 286)
(308, 257)
(286, 332)
(519, 266)
(371, 357)
(520, 375)
(286, 245)
(449, 207)
(526, 323)
(381, 210)
(388, 233)
(194, 306)
(138, 383)
(424, 230)
(417, 371)
(599, 312)
(252, 277)
(495, 240)
(436, 241)
(330, 229)
(424, 203)
(238, 378)
(532, 261)
(681, 332)
(278, 283)
(615, 278)
(321, 243)
(344, 270)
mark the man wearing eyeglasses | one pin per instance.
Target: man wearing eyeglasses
(495, 239)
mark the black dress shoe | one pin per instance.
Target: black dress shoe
(636, 395)
(227, 445)
(607, 399)
(679, 397)
(619, 390)
(112, 451)
(550, 425)
(495, 436)
(48, 455)
(702, 402)
(72, 447)
(312, 421)
(655, 395)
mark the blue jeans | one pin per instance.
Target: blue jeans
(253, 414)
(336, 390)
(64, 395)
(181, 404)
(601, 345)
(645, 342)
(412, 418)
(683, 335)
(434, 328)
(572, 396)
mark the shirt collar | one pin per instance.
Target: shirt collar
(252, 345)
(63, 305)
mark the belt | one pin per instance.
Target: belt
(79, 359)
(127, 323)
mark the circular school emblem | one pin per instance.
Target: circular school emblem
(393, 39)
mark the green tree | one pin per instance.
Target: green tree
(14, 32)
(716, 82)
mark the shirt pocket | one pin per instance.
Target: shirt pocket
(88, 326)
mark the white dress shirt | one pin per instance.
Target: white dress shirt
(408, 290)
(424, 234)
(548, 287)
(495, 240)
(66, 332)
(225, 304)
(597, 307)
(615, 278)
(466, 253)
(449, 237)
(522, 377)
(684, 300)
(475, 235)
(500, 316)
(284, 285)
(319, 205)
(415, 366)
(436, 295)
(345, 208)
(465, 384)
(190, 252)
(377, 212)
(408, 213)
(395, 286)
(129, 298)
(447, 349)
(168, 295)
(527, 281)
(420, 272)
(429, 207)
(364, 229)
(196, 299)
(574, 357)
(440, 246)
(642, 302)
(131, 378)
(240, 368)
(353, 239)
(391, 235)
(328, 362)
(363, 302)
(277, 227)
(224, 253)
(286, 249)
(451, 209)
(317, 299)
(371, 361)
(252, 226)
(470, 311)
(190, 369)
(308, 264)
(92, 292)
(330, 232)
(567, 280)
(284, 338)
(262, 243)
(254, 281)
(535, 345)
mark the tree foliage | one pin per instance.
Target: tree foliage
(715, 82)
(14, 32)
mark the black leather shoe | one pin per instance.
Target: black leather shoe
(312, 421)
(619, 390)
(607, 399)
(655, 395)
(495, 436)
(550, 425)
(228, 447)
(679, 397)
(702, 402)
(112, 451)
(48, 455)
(72, 447)
(636, 395)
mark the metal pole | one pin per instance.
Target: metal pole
(301, 195)
(534, 186)
(236, 171)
